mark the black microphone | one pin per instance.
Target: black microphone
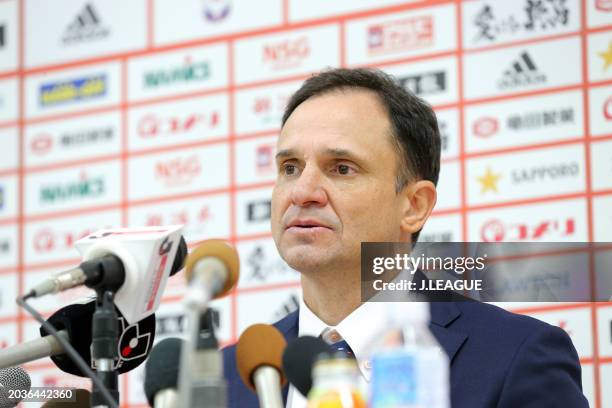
(298, 359)
(135, 340)
(161, 373)
(13, 378)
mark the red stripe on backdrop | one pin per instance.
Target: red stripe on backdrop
(20, 211)
(232, 173)
(587, 153)
(124, 145)
(150, 23)
(10, 123)
(461, 103)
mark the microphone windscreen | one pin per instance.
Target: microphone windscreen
(134, 345)
(82, 400)
(298, 359)
(162, 367)
(222, 250)
(180, 257)
(259, 345)
(13, 378)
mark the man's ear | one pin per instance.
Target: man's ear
(420, 199)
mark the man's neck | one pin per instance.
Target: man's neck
(332, 296)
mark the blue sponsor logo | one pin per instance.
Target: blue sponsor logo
(55, 93)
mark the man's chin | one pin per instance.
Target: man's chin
(306, 258)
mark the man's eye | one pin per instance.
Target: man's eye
(289, 169)
(344, 169)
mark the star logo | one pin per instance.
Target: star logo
(488, 182)
(607, 56)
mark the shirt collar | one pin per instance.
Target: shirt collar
(357, 329)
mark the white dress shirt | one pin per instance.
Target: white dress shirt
(357, 329)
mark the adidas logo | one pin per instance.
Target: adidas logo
(522, 72)
(86, 26)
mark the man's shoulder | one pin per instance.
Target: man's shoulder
(482, 315)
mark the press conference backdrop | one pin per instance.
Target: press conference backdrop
(150, 112)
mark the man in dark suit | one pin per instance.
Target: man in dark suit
(358, 161)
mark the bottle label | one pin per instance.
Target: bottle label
(394, 380)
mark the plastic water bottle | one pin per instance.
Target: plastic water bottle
(409, 368)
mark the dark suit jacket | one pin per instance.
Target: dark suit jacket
(498, 359)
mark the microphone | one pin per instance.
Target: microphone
(258, 358)
(299, 358)
(211, 271)
(13, 378)
(161, 373)
(74, 323)
(81, 400)
(136, 262)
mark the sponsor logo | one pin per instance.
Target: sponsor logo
(545, 173)
(288, 53)
(607, 108)
(522, 72)
(47, 240)
(267, 111)
(85, 137)
(603, 5)
(190, 71)
(152, 125)
(425, 84)
(488, 181)
(537, 120)
(169, 324)
(540, 15)
(444, 136)
(85, 88)
(84, 187)
(2, 35)
(261, 266)
(41, 144)
(606, 56)
(496, 230)
(258, 211)
(485, 127)
(216, 10)
(179, 171)
(163, 250)
(86, 26)
(131, 345)
(264, 159)
(288, 306)
(203, 215)
(5, 246)
(437, 237)
(401, 35)
(488, 126)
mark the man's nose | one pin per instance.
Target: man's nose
(308, 189)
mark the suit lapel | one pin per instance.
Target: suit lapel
(443, 314)
(289, 327)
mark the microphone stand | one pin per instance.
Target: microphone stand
(104, 330)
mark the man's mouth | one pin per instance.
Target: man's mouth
(306, 224)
